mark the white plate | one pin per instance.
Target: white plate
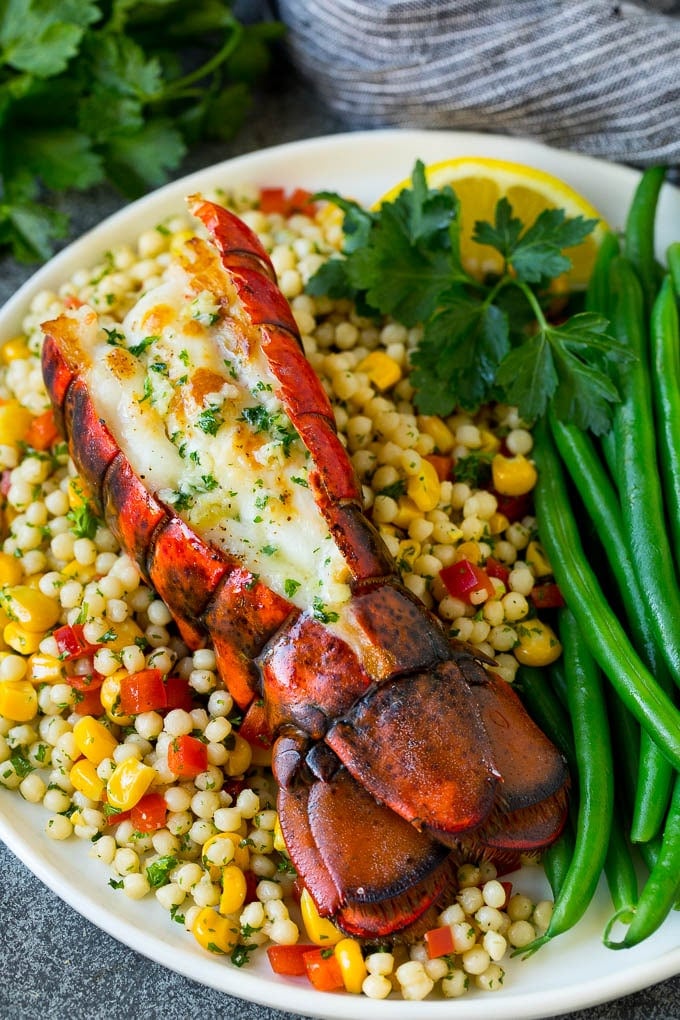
(574, 971)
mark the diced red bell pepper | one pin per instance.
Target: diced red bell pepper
(143, 692)
(494, 568)
(254, 727)
(547, 596)
(5, 481)
(439, 942)
(252, 882)
(187, 756)
(323, 970)
(42, 431)
(178, 693)
(88, 680)
(276, 200)
(71, 642)
(442, 463)
(513, 507)
(89, 702)
(289, 960)
(149, 813)
(463, 579)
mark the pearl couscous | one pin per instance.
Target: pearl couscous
(77, 620)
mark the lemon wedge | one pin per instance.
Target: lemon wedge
(480, 182)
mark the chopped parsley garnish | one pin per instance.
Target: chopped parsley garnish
(320, 613)
(395, 490)
(241, 954)
(20, 764)
(271, 422)
(114, 337)
(290, 586)
(209, 420)
(84, 521)
(269, 550)
(475, 469)
(158, 872)
(139, 348)
(483, 340)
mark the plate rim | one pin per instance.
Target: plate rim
(246, 985)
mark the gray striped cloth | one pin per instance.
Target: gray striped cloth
(596, 77)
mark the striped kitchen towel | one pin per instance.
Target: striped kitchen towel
(597, 77)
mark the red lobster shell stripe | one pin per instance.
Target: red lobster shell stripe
(395, 753)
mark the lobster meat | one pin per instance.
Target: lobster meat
(211, 447)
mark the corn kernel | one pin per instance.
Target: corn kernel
(471, 551)
(30, 608)
(352, 967)
(11, 570)
(79, 572)
(83, 776)
(45, 669)
(93, 739)
(431, 425)
(489, 441)
(14, 422)
(538, 644)
(18, 700)
(233, 890)
(537, 560)
(513, 476)
(241, 853)
(407, 553)
(213, 932)
(240, 757)
(109, 693)
(179, 239)
(279, 841)
(424, 488)
(498, 522)
(78, 494)
(319, 929)
(21, 639)
(382, 370)
(127, 633)
(14, 349)
(128, 783)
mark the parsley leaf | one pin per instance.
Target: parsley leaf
(484, 339)
(117, 92)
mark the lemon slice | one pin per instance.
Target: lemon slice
(479, 183)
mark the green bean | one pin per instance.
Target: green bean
(597, 292)
(619, 868)
(665, 362)
(673, 259)
(597, 300)
(639, 232)
(601, 628)
(595, 782)
(604, 509)
(557, 858)
(660, 891)
(546, 710)
(642, 506)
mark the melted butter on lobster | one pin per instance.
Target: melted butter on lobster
(211, 447)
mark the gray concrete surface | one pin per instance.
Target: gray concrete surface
(54, 965)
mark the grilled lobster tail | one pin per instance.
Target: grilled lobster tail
(396, 749)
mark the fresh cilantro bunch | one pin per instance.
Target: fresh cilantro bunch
(485, 339)
(112, 90)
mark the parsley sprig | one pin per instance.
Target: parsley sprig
(112, 90)
(483, 339)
